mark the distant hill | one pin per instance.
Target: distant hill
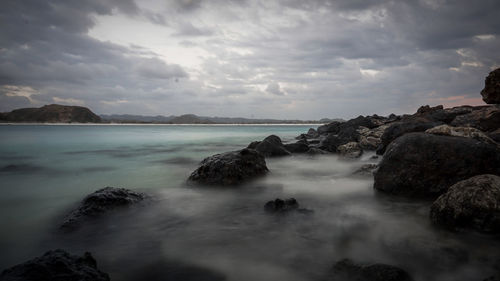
(53, 113)
(194, 119)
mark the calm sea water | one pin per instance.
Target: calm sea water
(195, 233)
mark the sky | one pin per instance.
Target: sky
(285, 59)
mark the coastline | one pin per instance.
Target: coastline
(153, 124)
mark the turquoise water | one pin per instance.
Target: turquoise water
(47, 170)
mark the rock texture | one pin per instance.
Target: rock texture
(471, 203)
(53, 113)
(400, 128)
(491, 91)
(426, 165)
(346, 270)
(279, 206)
(271, 146)
(484, 118)
(100, 202)
(350, 150)
(230, 168)
(56, 265)
(466, 132)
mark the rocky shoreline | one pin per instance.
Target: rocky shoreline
(448, 155)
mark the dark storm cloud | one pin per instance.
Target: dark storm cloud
(288, 58)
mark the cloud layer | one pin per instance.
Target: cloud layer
(276, 59)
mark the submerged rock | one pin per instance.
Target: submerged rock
(491, 91)
(230, 168)
(279, 206)
(100, 202)
(271, 146)
(346, 270)
(350, 150)
(471, 203)
(426, 165)
(366, 170)
(56, 265)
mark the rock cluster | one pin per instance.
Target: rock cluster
(346, 270)
(56, 265)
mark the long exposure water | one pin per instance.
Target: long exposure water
(206, 233)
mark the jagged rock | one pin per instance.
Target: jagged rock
(297, 147)
(279, 206)
(272, 146)
(471, 203)
(56, 265)
(370, 139)
(311, 133)
(466, 132)
(366, 170)
(332, 127)
(350, 150)
(346, 270)
(426, 165)
(403, 127)
(484, 118)
(331, 141)
(230, 168)
(100, 202)
(491, 91)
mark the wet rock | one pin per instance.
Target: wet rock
(403, 127)
(472, 203)
(272, 146)
(491, 91)
(316, 151)
(56, 265)
(484, 118)
(297, 147)
(346, 270)
(279, 206)
(100, 202)
(366, 170)
(350, 150)
(426, 165)
(230, 168)
(466, 132)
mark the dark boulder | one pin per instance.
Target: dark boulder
(253, 144)
(484, 118)
(331, 142)
(100, 202)
(491, 91)
(230, 168)
(471, 203)
(346, 270)
(421, 165)
(367, 122)
(495, 135)
(56, 265)
(311, 133)
(329, 128)
(297, 147)
(272, 146)
(403, 127)
(350, 150)
(279, 206)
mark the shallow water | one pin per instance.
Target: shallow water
(194, 233)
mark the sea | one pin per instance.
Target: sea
(190, 232)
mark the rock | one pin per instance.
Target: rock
(495, 135)
(297, 147)
(426, 165)
(100, 202)
(253, 144)
(311, 133)
(350, 150)
(346, 270)
(272, 146)
(403, 127)
(279, 206)
(370, 139)
(484, 118)
(316, 151)
(332, 127)
(466, 132)
(366, 170)
(491, 91)
(230, 168)
(56, 265)
(331, 141)
(471, 203)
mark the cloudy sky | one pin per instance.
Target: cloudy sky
(276, 59)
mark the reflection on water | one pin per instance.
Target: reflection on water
(195, 233)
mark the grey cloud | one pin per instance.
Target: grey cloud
(274, 88)
(157, 69)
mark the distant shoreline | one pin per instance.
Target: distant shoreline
(156, 124)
